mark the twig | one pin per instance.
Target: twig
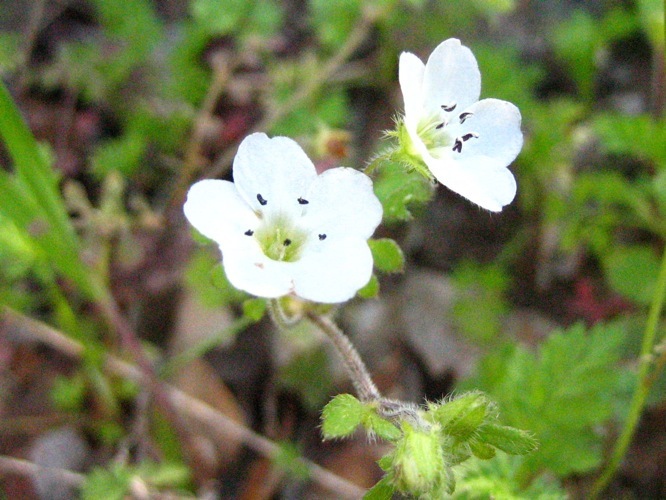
(11, 465)
(219, 425)
(365, 387)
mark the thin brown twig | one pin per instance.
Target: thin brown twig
(11, 465)
(222, 427)
(222, 70)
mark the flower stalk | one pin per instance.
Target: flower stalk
(365, 387)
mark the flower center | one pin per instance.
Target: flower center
(279, 236)
(280, 239)
(436, 135)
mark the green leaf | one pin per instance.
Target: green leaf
(383, 490)
(632, 271)
(254, 309)
(220, 17)
(334, 20)
(371, 289)
(401, 192)
(112, 484)
(508, 439)
(341, 416)
(502, 477)
(561, 394)
(387, 255)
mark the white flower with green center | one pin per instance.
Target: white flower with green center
(282, 228)
(466, 144)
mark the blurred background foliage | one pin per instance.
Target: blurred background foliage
(131, 102)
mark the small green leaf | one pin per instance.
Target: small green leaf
(341, 416)
(400, 192)
(387, 255)
(371, 290)
(254, 309)
(508, 439)
(112, 484)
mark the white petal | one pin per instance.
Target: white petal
(411, 83)
(276, 169)
(342, 203)
(334, 271)
(498, 125)
(482, 182)
(248, 269)
(451, 76)
(217, 211)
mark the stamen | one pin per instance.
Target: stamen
(449, 107)
(249, 232)
(286, 242)
(464, 116)
(458, 145)
(467, 137)
(322, 237)
(261, 199)
(440, 126)
(303, 201)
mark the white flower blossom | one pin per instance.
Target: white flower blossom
(465, 143)
(282, 228)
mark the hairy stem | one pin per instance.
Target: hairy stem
(642, 384)
(365, 387)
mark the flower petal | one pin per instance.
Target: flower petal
(217, 211)
(451, 76)
(411, 71)
(248, 269)
(498, 125)
(480, 181)
(275, 170)
(333, 271)
(342, 203)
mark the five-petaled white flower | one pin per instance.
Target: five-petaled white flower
(284, 229)
(466, 144)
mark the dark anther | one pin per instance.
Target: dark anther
(303, 201)
(450, 107)
(322, 237)
(458, 145)
(261, 199)
(467, 137)
(441, 125)
(286, 242)
(249, 232)
(464, 116)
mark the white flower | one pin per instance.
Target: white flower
(465, 143)
(284, 229)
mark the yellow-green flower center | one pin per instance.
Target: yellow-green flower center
(280, 239)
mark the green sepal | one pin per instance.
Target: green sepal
(508, 439)
(375, 424)
(481, 450)
(254, 309)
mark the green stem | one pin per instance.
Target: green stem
(642, 384)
